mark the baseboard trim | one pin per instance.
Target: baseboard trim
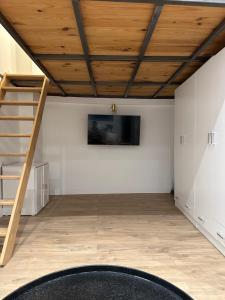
(203, 231)
(211, 238)
(185, 213)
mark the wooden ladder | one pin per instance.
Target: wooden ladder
(8, 234)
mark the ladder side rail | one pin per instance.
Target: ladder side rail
(10, 238)
(3, 82)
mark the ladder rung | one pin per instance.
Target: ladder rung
(16, 118)
(21, 89)
(9, 177)
(7, 202)
(3, 232)
(13, 154)
(25, 77)
(15, 135)
(22, 103)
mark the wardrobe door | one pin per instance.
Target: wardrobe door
(178, 146)
(218, 171)
(188, 145)
(218, 136)
(203, 147)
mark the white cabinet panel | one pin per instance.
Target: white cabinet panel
(38, 184)
(205, 86)
(178, 154)
(188, 144)
(218, 169)
(184, 145)
(36, 196)
(45, 185)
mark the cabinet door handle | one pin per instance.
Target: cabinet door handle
(219, 235)
(213, 138)
(181, 140)
(187, 206)
(45, 186)
(210, 138)
(201, 219)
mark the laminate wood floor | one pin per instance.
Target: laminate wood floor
(143, 231)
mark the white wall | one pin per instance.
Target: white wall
(12, 58)
(78, 168)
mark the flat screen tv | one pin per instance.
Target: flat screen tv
(113, 130)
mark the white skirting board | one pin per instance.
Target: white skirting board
(209, 237)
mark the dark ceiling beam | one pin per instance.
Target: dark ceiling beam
(79, 57)
(102, 83)
(151, 27)
(109, 96)
(115, 83)
(219, 29)
(84, 43)
(60, 56)
(208, 3)
(5, 23)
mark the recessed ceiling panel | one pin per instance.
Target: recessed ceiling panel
(168, 91)
(67, 70)
(182, 28)
(143, 91)
(113, 90)
(112, 70)
(78, 89)
(115, 27)
(156, 71)
(46, 26)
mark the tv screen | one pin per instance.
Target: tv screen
(113, 130)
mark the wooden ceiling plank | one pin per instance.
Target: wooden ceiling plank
(220, 28)
(208, 3)
(79, 89)
(112, 70)
(4, 22)
(111, 90)
(46, 26)
(115, 28)
(156, 71)
(67, 70)
(88, 58)
(181, 29)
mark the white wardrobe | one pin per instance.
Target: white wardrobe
(200, 149)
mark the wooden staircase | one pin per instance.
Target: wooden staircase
(8, 234)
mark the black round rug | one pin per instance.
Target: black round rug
(99, 283)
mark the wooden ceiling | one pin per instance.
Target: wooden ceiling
(116, 48)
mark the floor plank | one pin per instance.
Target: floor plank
(143, 231)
